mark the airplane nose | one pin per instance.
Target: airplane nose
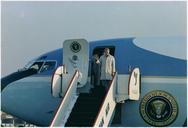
(16, 76)
(30, 99)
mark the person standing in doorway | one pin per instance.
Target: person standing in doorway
(96, 70)
(107, 63)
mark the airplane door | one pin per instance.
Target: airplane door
(134, 84)
(76, 57)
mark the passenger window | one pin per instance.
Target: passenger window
(36, 66)
(50, 65)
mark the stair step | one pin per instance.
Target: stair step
(82, 117)
(90, 98)
(81, 124)
(83, 114)
(89, 105)
(88, 101)
(85, 109)
(80, 121)
(90, 120)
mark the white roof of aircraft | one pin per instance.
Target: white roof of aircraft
(170, 46)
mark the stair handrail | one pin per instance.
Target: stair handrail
(103, 117)
(66, 99)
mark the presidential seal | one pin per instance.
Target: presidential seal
(158, 108)
(75, 46)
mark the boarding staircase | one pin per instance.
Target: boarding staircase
(86, 109)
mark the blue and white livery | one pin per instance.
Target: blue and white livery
(149, 88)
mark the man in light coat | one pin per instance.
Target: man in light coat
(107, 63)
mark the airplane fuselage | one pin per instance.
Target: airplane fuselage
(163, 85)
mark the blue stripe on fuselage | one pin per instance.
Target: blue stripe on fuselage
(128, 54)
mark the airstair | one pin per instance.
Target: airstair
(86, 108)
(90, 109)
(93, 107)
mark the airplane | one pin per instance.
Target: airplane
(148, 89)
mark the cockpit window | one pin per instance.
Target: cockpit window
(49, 65)
(36, 66)
(28, 65)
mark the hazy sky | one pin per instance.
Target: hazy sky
(29, 29)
